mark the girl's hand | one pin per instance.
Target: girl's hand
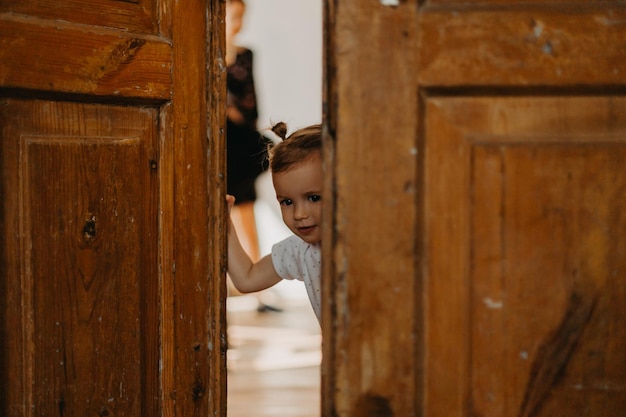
(230, 202)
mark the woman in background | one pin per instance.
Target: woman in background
(246, 148)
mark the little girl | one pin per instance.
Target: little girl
(296, 167)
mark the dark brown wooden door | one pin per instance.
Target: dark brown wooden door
(475, 263)
(111, 182)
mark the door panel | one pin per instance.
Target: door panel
(526, 263)
(88, 338)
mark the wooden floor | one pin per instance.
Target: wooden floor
(273, 359)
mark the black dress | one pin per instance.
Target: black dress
(246, 148)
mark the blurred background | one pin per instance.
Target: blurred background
(274, 357)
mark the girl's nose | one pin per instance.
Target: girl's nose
(300, 212)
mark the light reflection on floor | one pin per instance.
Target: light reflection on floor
(273, 359)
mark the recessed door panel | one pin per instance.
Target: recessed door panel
(526, 266)
(82, 272)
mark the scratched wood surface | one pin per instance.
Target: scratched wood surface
(84, 313)
(98, 61)
(111, 185)
(369, 320)
(526, 263)
(476, 263)
(514, 47)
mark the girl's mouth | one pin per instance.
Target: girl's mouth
(306, 230)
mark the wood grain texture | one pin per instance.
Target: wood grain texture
(517, 287)
(193, 274)
(369, 265)
(83, 60)
(82, 307)
(158, 282)
(129, 15)
(509, 47)
(215, 75)
(526, 266)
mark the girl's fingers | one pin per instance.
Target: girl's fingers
(230, 201)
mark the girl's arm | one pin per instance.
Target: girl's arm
(246, 275)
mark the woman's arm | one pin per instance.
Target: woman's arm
(246, 275)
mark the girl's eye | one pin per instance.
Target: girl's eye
(286, 202)
(315, 198)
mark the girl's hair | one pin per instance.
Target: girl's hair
(298, 147)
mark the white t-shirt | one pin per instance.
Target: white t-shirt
(293, 258)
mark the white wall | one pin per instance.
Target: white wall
(286, 38)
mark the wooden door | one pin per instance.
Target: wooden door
(111, 184)
(476, 263)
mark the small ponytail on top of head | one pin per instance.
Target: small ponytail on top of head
(280, 129)
(298, 147)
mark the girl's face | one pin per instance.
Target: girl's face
(299, 193)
